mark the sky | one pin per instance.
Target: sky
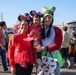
(10, 9)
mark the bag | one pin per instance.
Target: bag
(71, 49)
(57, 56)
(48, 67)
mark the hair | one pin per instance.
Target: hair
(24, 20)
(48, 32)
(2, 23)
(65, 28)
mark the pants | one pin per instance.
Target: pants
(74, 57)
(4, 63)
(57, 71)
(24, 71)
(64, 52)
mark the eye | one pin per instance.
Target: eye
(44, 64)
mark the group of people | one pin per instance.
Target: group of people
(68, 48)
(25, 47)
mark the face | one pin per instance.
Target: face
(36, 20)
(4, 27)
(47, 20)
(23, 27)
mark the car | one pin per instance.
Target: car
(10, 31)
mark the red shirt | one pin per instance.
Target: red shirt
(37, 28)
(20, 50)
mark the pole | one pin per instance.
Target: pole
(1, 16)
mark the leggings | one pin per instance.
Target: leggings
(24, 71)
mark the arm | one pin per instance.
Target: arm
(11, 48)
(2, 40)
(58, 40)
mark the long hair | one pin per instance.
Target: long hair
(48, 32)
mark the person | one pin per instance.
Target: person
(51, 35)
(73, 43)
(6, 36)
(65, 45)
(20, 50)
(36, 29)
(2, 48)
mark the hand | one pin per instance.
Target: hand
(3, 48)
(33, 32)
(40, 48)
(35, 44)
(13, 70)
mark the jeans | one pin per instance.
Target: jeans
(57, 71)
(4, 63)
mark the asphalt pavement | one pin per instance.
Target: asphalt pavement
(64, 70)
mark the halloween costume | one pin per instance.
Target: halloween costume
(20, 50)
(52, 42)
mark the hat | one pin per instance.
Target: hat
(49, 11)
(33, 12)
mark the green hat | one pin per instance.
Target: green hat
(49, 11)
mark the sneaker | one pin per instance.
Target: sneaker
(68, 64)
(6, 69)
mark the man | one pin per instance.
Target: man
(6, 36)
(65, 45)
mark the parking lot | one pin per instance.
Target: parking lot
(64, 71)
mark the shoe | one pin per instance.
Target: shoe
(6, 69)
(68, 64)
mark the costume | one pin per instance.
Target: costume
(51, 38)
(57, 40)
(37, 28)
(20, 51)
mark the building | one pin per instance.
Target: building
(71, 26)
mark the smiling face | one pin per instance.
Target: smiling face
(23, 27)
(47, 20)
(36, 20)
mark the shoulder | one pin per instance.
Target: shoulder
(14, 36)
(57, 29)
(39, 26)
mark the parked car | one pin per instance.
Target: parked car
(10, 31)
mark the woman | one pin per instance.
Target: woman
(65, 45)
(51, 35)
(20, 50)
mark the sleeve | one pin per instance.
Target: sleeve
(11, 48)
(2, 40)
(7, 36)
(58, 40)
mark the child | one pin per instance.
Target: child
(35, 29)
